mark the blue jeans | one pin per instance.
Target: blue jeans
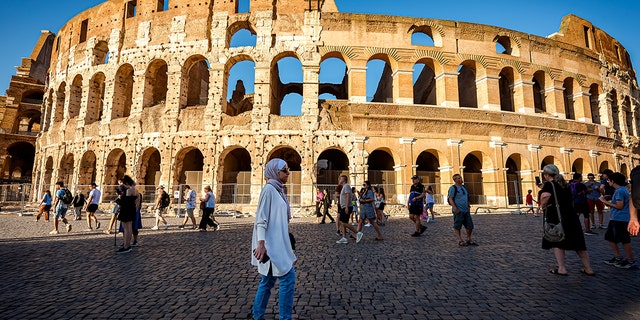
(285, 299)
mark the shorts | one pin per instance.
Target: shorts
(60, 212)
(462, 219)
(344, 217)
(189, 212)
(381, 206)
(368, 214)
(46, 208)
(415, 210)
(160, 212)
(92, 208)
(430, 205)
(617, 232)
(530, 205)
(581, 208)
(595, 204)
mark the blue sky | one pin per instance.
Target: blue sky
(22, 21)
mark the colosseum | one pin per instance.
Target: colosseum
(152, 88)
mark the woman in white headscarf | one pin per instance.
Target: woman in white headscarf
(271, 245)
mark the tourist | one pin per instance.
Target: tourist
(555, 185)
(319, 204)
(336, 196)
(430, 202)
(593, 201)
(579, 193)
(326, 205)
(416, 204)
(367, 211)
(458, 198)
(116, 208)
(271, 244)
(209, 201)
(354, 207)
(162, 203)
(78, 203)
(634, 204)
(45, 206)
(529, 202)
(379, 206)
(190, 205)
(605, 188)
(344, 205)
(618, 228)
(61, 205)
(127, 203)
(92, 206)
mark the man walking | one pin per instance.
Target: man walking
(415, 204)
(580, 204)
(190, 204)
(593, 200)
(162, 203)
(458, 198)
(344, 206)
(63, 199)
(92, 207)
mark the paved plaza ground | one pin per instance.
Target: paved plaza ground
(177, 274)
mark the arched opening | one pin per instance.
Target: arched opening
(626, 106)
(195, 82)
(604, 165)
(65, 170)
(122, 92)
(539, 101)
(428, 169)
(48, 173)
(155, 83)
(294, 184)
(506, 89)
(382, 172)
(286, 86)
(60, 97)
(424, 82)
(547, 160)
(95, 103)
(33, 97)
(514, 183)
(332, 163)
(240, 85)
(244, 37)
(27, 122)
(467, 92)
(18, 165)
(379, 79)
(472, 177)
(623, 170)
(87, 170)
(569, 109)
(333, 78)
(577, 166)
(75, 97)
(101, 53)
(236, 177)
(594, 104)
(189, 164)
(422, 38)
(615, 110)
(149, 173)
(115, 167)
(503, 45)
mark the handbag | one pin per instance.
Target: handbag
(203, 205)
(553, 232)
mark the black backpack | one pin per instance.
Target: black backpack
(67, 197)
(165, 200)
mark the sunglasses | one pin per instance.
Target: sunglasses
(285, 170)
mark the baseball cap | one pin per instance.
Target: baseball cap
(415, 177)
(160, 187)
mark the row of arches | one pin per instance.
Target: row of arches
(235, 174)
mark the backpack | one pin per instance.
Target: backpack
(579, 195)
(165, 200)
(67, 198)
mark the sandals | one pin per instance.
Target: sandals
(471, 243)
(583, 271)
(555, 271)
(462, 244)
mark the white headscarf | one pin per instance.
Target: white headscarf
(271, 172)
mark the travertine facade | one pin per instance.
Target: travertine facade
(141, 87)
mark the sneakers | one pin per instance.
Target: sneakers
(422, 229)
(135, 244)
(124, 250)
(368, 224)
(97, 225)
(54, 232)
(154, 228)
(181, 227)
(593, 226)
(625, 264)
(602, 226)
(415, 234)
(359, 237)
(343, 240)
(107, 231)
(68, 227)
(613, 261)
(590, 233)
(338, 233)
(428, 219)
(166, 226)
(88, 229)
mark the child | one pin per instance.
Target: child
(529, 201)
(619, 220)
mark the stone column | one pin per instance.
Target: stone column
(555, 100)
(357, 75)
(403, 84)
(447, 87)
(582, 106)
(217, 102)
(488, 88)
(523, 95)
(262, 97)
(172, 101)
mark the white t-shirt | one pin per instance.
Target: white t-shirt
(95, 196)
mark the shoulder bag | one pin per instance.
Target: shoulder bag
(553, 232)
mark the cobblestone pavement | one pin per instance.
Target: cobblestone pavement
(177, 274)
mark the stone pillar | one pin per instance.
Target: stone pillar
(446, 174)
(357, 75)
(489, 90)
(360, 167)
(217, 102)
(172, 102)
(262, 97)
(566, 163)
(403, 84)
(447, 87)
(555, 100)
(582, 106)
(523, 95)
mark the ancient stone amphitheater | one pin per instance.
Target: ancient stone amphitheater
(143, 87)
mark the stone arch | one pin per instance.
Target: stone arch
(238, 32)
(506, 83)
(514, 165)
(568, 96)
(32, 97)
(149, 168)
(65, 169)
(75, 97)
(115, 167)
(195, 82)
(539, 91)
(289, 85)
(423, 36)
(19, 162)
(101, 53)
(428, 168)
(381, 167)
(467, 90)
(551, 160)
(581, 166)
(189, 165)
(60, 97)
(239, 96)
(383, 91)
(236, 175)
(293, 159)
(603, 166)
(87, 169)
(48, 173)
(333, 83)
(624, 170)
(122, 92)
(594, 103)
(27, 122)
(424, 82)
(332, 163)
(155, 83)
(95, 103)
(472, 176)
(506, 45)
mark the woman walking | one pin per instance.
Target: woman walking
(319, 204)
(128, 203)
(574, 238)
(209, 201)
(271, 244)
